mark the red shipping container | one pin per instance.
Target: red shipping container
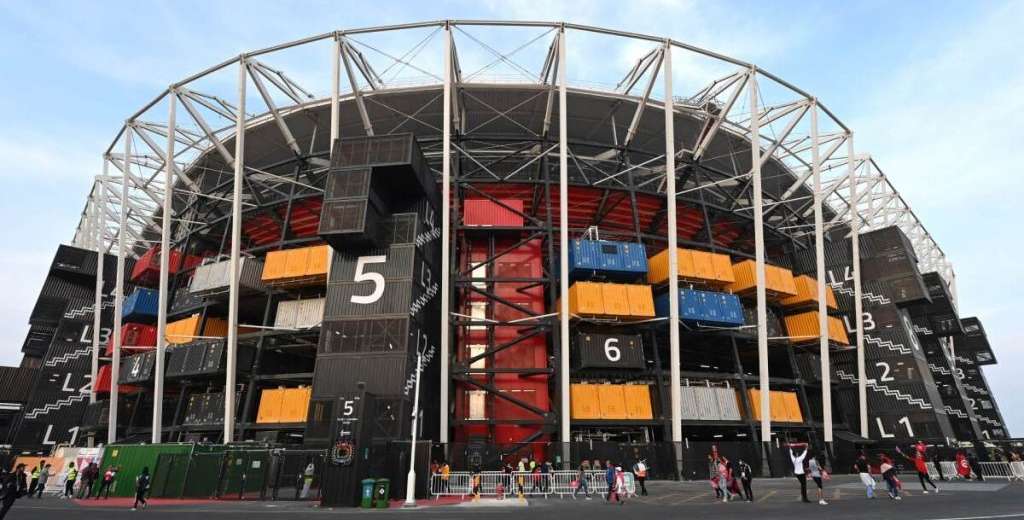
(135, 337)
(147, 267)
(485, 212)
(103, 383)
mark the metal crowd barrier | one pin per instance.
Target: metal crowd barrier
(1017, 470)
(991, 470)
(460, 483)
(933, 472)
(949, 470)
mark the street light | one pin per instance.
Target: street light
(410, 482)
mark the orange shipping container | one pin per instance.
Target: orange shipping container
(585, 402)
(792, 406)
(754, 396)
(638, 402)
(295, 404)
(269, 411)
(778, 281)
(713, 269)
(803, 328)
(319, 257)
(723, 269)
(295, 262)
(274, 265)
(703, 266)
(616, 300)
(807, 293)
(641, 301)
(296, 267)
(613, 401)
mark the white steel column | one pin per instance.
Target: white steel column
(446, 224)
(762, 326)
(335, 94)
(675, 382)
(819, 256)
(165, 263)
(122, 239)
(858, 305)
(236, 243)
(99, 207)
(563, 250)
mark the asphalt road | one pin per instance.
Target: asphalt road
(776, 499)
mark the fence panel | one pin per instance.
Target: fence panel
(560, 483)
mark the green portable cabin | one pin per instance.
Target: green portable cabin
(131, 458)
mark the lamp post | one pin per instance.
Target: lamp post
(410, 482)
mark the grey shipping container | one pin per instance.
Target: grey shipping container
(728, 407)
(299, 314)
(707, 403)
(214, 278)
(688, 404)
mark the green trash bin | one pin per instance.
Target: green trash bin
(381, 493)
(367, 501)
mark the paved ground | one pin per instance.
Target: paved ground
(776, 499)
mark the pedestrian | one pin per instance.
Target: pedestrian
(620, 485)
(69, 481)
(937, 462)
(922, 470)
(889, 476)
(521, 477)
(798, 468)
(818, 474)
(36, 470)
(609, 479)
(446, 474)
(476, 482)
(307, 479)
(747, 479)
(141, 488)
(44, 476)
(863, 469)
(582, 478)
(88, 476)
(640, 471)
(107, 482)
(723, 478)
(545, 477)
(12, 487)
(963, 468)
(713, 474)
(975, 466)
(597, 465)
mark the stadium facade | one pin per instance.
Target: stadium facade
(469, 198)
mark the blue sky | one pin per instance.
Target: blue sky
(933, 90)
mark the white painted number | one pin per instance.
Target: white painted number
(611, 351)
(885, 371)
(906, 422)
(348, 408)
(376, 278)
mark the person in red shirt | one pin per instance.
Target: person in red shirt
(921, 465)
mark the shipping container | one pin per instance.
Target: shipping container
(137, 368)
(585, 402)
(712, 269)
(298, 267)
(299, 314)
(295, 404)
(214, 278)
(593, 350)
(688, 404)
(383, 374)
(807, 294)
(187, 329)
(613, 401)
(707, 403)
(351, 336)
(146, 270)
(638, 402)
(619, 301)
(269, 410)
(606, 259)
(779, 283)
(351, 223)
(785, 407)
(704, 308)
(728, 406)
(141, 305)
(506, 213)
(803, 328)
(135, 337)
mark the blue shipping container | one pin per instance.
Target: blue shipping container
(704, 308)
(141, 304)
(606, 259)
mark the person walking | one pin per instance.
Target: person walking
(713, 475)
(545, 477)
(307, 479)
(88, 476)
(723, 478)
(36, 470)
(107, 482)
(620, 485)
(69, 482)
(746, 474)
(937, 462)
(798, 468)
(889, 476)
(818, 475)
(975, 467)
(141, 488)
(863, 469)
(922, 469)
(609, 480)
(582, 479)
(44, 476)
(640, 471)
(13, 486)
(963, 469)
(446, 474)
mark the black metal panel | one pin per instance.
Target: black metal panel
(609, 351)
(362, 335)
(351, 223)
(397, 298)
(381, 373)
(194, 362)
(177, 357)
(137, 368)
(397, 262)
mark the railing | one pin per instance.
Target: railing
(461, 483)
(1002, 470)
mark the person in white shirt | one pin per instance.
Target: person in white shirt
(798, 468)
